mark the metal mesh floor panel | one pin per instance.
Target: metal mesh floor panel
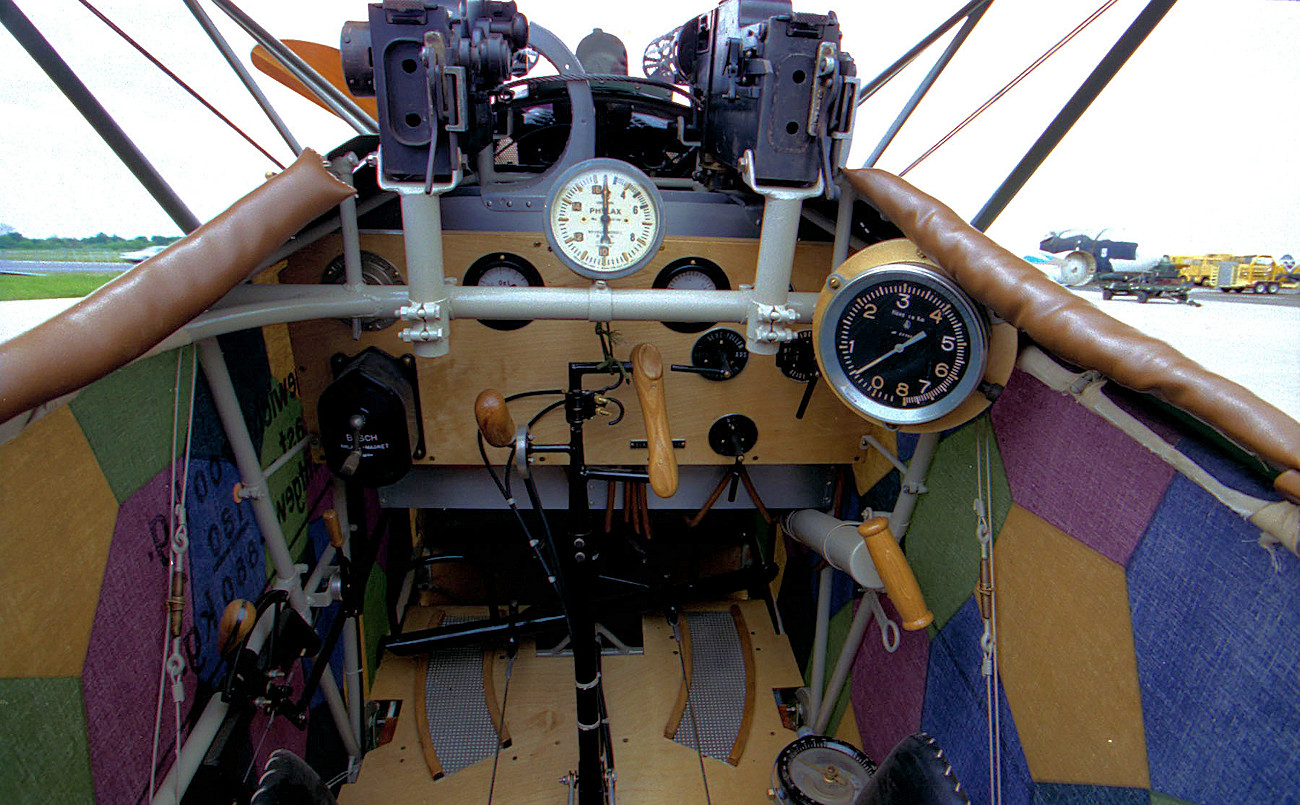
(717, 695)
(459, 724)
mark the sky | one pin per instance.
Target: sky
(1191, 149)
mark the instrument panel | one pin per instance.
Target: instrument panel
(535, 354)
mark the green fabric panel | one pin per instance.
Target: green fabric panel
(375, 613)
(1164, 799)
(44, 756)
(941, 545)
(282, 429)
(127, 418)
(835, 635)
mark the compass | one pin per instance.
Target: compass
(899, 342)
(604, 219)
(815, 770)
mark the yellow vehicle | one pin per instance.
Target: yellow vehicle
(1258, 273)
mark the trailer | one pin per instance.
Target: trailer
(1148, 285)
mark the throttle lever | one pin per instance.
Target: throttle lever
(648, 379)
(494, 420)
(896, 573)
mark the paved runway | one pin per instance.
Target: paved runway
(1254, 340)
(51, 267)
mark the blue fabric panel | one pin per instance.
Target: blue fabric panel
(1215, 628)
(227, 560)
(906, 446)
(1061, 794)
(250, 372)
(1229, 472)
(955, 712)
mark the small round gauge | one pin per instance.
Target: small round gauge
(692, 274)
(901, 343)
(814, 770)
(604, 219)
(722, 353)
(795, 358)
(375, 270)
(503, 270)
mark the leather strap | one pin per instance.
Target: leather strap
(1075, 330)
(124, 319)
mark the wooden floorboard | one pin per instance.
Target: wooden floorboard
(640, 691)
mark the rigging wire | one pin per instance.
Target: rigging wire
(180, 81)
(1012, 83)
(983, 505)
(173, 665)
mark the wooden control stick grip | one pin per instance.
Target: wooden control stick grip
(333, 528)
(494, 420)
(648, 378)
(237, 620)
(896, 573)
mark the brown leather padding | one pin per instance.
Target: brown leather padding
(1077, 331)
(127, 317)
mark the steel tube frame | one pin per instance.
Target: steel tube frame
(907, 58)
(253, 306)
(96, 115)
(1115, 58)
(939, 66)
(331, 96)
(227, 52)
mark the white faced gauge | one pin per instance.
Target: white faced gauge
(604, 219)
(901, 343)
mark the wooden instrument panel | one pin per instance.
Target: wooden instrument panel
(536, 357)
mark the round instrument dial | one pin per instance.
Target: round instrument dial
(604, 219)
(902, 343)
(814, 770)
(691, 274)
(503, 270)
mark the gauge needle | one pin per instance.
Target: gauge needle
(893, 351)
(604, 215)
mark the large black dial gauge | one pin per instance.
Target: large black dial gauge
(604, 219)
(899, 342)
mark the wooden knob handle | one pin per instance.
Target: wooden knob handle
(896, 573)
(237, 620)
(494, 420)
(333, 528)
(648, 378)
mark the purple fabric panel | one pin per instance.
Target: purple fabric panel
(1075, 470)
(120, 678)
(889, 689)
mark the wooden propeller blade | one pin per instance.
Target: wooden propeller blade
(323, 59)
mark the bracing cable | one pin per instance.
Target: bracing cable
(181, 82)
(1011, 84)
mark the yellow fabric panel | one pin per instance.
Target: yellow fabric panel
(873, 466)
(57, 514)
(279, 352)
(1065, 644)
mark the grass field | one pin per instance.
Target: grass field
(50, 286)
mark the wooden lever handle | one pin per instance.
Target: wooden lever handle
(896, 573)
(494, 420)
(333, 528)
(648, 378)
(237, 620)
